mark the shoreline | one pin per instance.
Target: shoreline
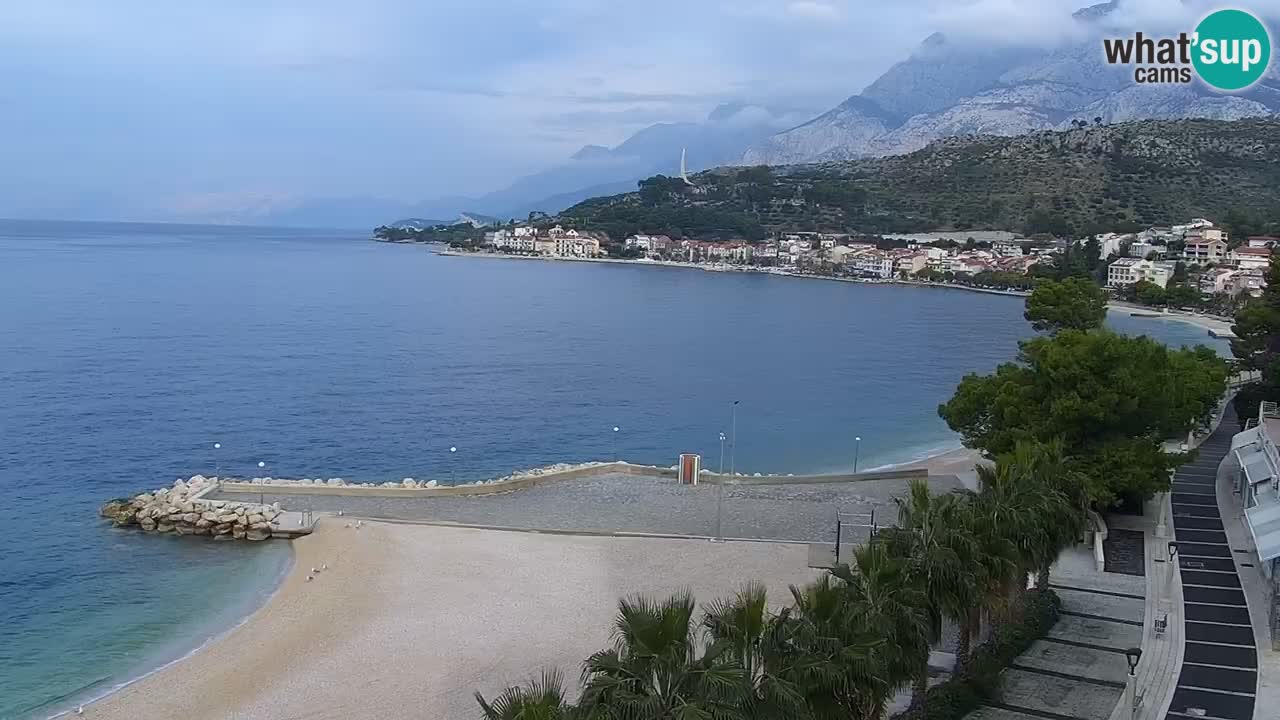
(407, 621)
(222, 632)
(284, 599)
(1207, 322)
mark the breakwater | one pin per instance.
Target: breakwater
(183, 510)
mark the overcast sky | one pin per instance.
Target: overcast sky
(218, 103)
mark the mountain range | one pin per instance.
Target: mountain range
(964, 87)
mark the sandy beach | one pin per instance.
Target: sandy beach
(409, 620)
(1208, 323)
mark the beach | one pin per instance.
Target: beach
(408, 621)
(1217, 325)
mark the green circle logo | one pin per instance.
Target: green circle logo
(1232, 50)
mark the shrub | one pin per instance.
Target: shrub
(960, 696)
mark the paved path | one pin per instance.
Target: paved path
(640, 504)
(1219, 677)
(1078, 671)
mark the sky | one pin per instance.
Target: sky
(159, 110)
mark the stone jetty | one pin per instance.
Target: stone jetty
(182, 510)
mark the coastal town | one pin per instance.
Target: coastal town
(1186, 264)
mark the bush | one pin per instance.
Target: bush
(962, 695)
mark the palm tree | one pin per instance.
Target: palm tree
(839, 674)
(655, 670)
(1062, 504)
(764, 646)
(886, 599)
(542, 699)
(941, 553)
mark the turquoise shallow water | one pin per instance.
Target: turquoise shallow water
(127, 350)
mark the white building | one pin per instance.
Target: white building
(1128, 271)
(1258, 484)
(1250, 258)
(875, 264)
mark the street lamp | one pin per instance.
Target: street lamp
(733, 440)
(217, 466)
(1132, 656)
(453, 474)
(262, 498)
(720, 494)
(615, 443)
(857, 450)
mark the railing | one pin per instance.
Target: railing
(1269, 409)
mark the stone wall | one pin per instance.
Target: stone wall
(182, 510)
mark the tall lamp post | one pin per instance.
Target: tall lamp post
(615, 443)
(453, 473)
(1132, 656)
(733, 440)
(857, 450)
(720, 494)
(217, 464)
(262, 498)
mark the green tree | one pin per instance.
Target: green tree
(940, 553)
(542, 699)
(656, 669)
(1149, 293)
(1257, 330)
(886, 600)
(1074, 303)
(1112, 400)
(765, 646)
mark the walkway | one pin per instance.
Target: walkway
(1078, 671)
(637, 504)
(1219, 675)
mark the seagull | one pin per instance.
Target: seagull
(308, 578)
(324, 567)
(80, 710)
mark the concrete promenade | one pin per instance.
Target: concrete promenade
(638, 504)
(1218, 677)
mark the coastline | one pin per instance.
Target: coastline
(407, 621)
(228, 674)
(1209, 323)
(166, 660)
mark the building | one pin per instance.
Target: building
(1217, 281)
(1258, 484)
(544, 246)
(1007, 248)
(1248, 258)
(910, 263)
(840, 254)
(649, 243)
(1201, 251)
(1263, 241)
(1128, 271)
(872, 264)
(1250, 281)
(1147, 250)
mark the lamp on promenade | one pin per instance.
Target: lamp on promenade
(453, 475)
(615, 443)
(262, 500)
(1132, 656)
(857, 449)
(733, 439)
(217, 466)
(720, 494)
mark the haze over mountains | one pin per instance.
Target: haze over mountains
(948, 88)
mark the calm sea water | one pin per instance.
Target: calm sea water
(126, 351)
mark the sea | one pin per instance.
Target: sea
(127, 351)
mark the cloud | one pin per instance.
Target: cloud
(813, 10)
(238, 102)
